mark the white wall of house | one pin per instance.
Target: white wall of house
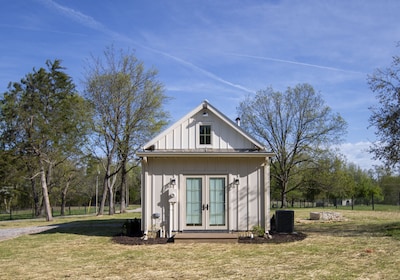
(246, 202)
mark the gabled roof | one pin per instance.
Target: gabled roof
(205, 105)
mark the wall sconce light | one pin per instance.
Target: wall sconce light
(236, 182)
(155, 215)
(172, 182)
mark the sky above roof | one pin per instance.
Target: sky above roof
(221, 51)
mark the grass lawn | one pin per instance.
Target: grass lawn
(364, 246)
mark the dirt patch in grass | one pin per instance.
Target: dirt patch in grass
(276, 238)
(130, 240)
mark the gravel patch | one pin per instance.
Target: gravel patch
(10, 233)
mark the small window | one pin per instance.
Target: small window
(205, 134)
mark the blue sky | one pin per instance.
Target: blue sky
(217, 50)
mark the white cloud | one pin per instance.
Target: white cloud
(358, 154)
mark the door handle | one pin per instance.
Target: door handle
(205, 207)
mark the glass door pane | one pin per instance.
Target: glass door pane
(217, 202)
(193, 202)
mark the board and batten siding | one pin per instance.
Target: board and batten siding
(184, 135)
(244, 202)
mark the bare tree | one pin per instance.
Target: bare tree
(128, 102)
(385, 83)
(296, 125)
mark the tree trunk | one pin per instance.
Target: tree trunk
(111, 184)
(63, 203)
(103, 196)
(46, 200)
(64, 197)
(36, 200)
(283, 200)
(111, 209)
(123, 187)
(283, 195)
(35, 195)
(7, 204)
(127, 195)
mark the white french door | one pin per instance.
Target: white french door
(206, 203)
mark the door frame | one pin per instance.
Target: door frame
(205, 178)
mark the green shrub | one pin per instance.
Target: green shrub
(258, 231)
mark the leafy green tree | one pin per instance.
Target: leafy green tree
(11, 178)
(128, 102)
(135, 182)
(68, 178)
(390, 186)
(296, 125)
(385, 83)
(365, 185)
(44, 121)
(328, 178)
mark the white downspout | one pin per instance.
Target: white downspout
(267, 195)
(144, 194)
(171, 219)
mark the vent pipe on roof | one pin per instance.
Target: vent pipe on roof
(238, 121)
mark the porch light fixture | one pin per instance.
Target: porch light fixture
(236, 182)
(172, 182)
(155, 215)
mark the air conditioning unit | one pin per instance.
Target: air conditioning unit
(284, 221)
(172, 195)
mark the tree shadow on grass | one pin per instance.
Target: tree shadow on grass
(110, 227)
(351, 228)
(114, 227)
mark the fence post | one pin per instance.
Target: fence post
(372, 202)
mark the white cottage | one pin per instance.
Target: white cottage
(205, 173)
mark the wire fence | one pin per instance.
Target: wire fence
(345, 204)
(16, 213)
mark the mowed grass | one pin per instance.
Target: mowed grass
(364, 246)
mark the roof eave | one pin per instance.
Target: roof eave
(204, 154)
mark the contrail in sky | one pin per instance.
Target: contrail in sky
(205, 72)
(295, 62)
(90, 22)
(94, 24)
(74, 15)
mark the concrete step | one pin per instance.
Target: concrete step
(205, 237)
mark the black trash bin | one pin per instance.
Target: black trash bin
(284, 221)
